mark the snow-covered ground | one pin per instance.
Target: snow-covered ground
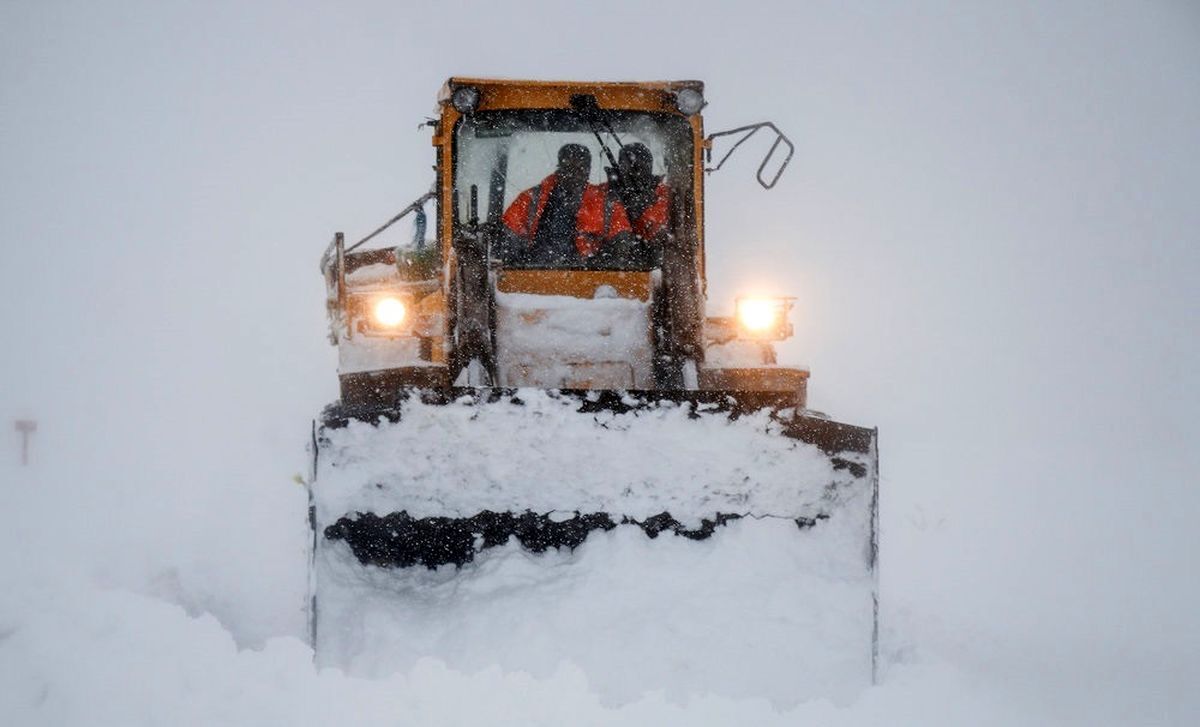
(75, 651)
(143, 600)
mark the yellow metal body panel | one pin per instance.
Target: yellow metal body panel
(575, 283)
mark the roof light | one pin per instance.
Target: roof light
(689, 101)
(465, 99)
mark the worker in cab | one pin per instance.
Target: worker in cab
(645, 197)
(564, 221)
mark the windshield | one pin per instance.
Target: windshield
(544, 179)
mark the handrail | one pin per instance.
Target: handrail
(751, 130)
(399, 215)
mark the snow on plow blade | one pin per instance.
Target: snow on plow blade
(682, 546)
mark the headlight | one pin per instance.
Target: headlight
(465, 99)
(764, 318)
(388, 312)
(689, 101)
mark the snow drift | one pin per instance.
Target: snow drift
(776, 604)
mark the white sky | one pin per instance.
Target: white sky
(991, 223)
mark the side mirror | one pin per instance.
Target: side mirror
(747, 132)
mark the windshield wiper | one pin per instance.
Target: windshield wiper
(585, 105)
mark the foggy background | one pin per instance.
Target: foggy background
(991, 224)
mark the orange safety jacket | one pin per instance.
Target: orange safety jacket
(655, 217)
(599, 218)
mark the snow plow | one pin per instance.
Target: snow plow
(545, 451)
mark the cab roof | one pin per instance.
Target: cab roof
(496, 93)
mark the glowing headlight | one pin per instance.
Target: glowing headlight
(689, 101)
(764, 317)
(388, 312)
(758, 314)
(465, 99)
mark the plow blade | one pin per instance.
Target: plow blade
(697, 544)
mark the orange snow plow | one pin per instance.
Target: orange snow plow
(540, 381)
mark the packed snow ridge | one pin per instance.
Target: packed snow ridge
(543, 455)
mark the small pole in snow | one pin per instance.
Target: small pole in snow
(26, 427)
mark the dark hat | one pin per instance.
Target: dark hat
(637, 154)
(576, 154)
